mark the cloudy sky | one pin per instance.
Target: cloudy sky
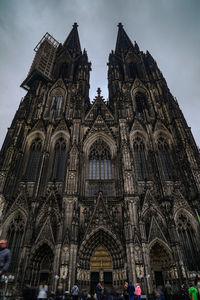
(169, 29)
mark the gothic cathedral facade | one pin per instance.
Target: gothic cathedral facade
(103, 191)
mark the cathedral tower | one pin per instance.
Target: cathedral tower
(107, 191)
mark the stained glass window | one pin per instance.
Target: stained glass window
(165, 158)
(34, 160)
(59, 160)
(56, 105)
(141, 102)
(140, 159)
(100, 161)
(14, 237)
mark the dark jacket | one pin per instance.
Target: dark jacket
(130, 289)
(29, 293)
(5, 258)
(98, 289)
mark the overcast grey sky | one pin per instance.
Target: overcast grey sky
(169, 29)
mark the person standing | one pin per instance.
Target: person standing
(125, 292)
(138, 291)
(59, 293)
(168, 291)
(75, 292)
(192, 292)
(99, 291)
(43, 288)
(131, 291)
(5, 257)
(28, 293)
(184, 292)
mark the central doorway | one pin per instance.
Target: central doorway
(161, 261)
(100, 268)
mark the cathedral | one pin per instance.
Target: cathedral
(107, 190)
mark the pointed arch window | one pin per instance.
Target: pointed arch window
(140, 159)
(56, 105)
(132, 68)
(165, 158)
(34, 160)
(14, 237)
(141, 102)
(59, 160)
(100, 161)
(189, 243)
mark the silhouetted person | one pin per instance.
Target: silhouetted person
(99, 291)
(75, 292)
(131, 291)
(5, 257)
(29, 293)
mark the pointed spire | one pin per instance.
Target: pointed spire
(123, 41)
(72, 43)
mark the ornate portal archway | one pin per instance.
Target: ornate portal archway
(41, 267)
(101, 257)
(162, 264)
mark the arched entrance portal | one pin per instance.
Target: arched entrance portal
(41, 265)
(100, 267)
(161, 263)
(101, 257)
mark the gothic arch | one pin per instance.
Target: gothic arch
(63, 139)
(138, 133)
(11, 216)
(40, 243)
(38, 134)
(151, 216)
(14, 231)
(163, 133)
(139, 152)
(93, 183)
(100, 135)
(60, 134)
(192, 217)
(165, 159)
(107, 239)
(189, 238)
(164, 244)
(42, 254)
(58, 91)
(161, 260)
(139, 88)
(27, 148)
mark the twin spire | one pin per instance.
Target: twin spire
(123, 42)
(72, 43)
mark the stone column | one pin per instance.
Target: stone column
(72, 265)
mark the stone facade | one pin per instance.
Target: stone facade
(107, 190)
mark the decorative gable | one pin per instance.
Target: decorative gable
(46, 232)
(39, 126)
(100, 216)
(62, 126)
(180, 202)
(99, 126)
(99, 107)
(155, 231)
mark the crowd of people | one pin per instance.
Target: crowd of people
(130, 292)
(189, 291)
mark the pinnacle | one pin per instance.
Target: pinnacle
(99, 92)
(123, 41)
(72, 43)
